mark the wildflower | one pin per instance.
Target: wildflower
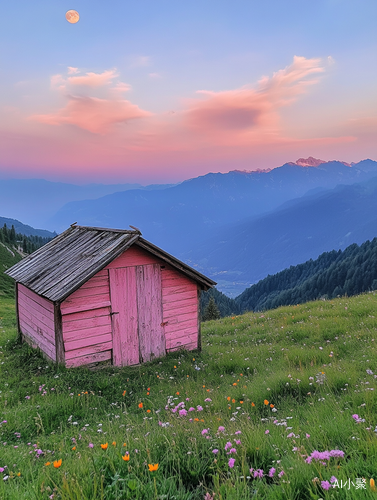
(252, 404)
(126, 457)
(114, 443)
(281, 474)
(182, 412)
(140, 405)
(271, 472)
(228, 398)
(237, 432)
(231, 462)
(124, 393)
(152, 467)
(221, 429)
(46, 464)
(232, 450)
(265, 402)
(215, 451)
(74, 448)
(207, 400)
(258, 473)
(333, 479)
(372, 484)
(271, 405)
(267, 431)
(148, 411)
(237, 441)
(233, 400)
(199, 408)
(325, 485)
(228, 445)
(104, 446)
(204, 431)
(57, 463)
(90, 445)
(307, 436)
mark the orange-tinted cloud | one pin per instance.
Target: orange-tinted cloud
(93, 114)
(93, 79)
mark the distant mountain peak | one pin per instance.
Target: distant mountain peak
(309, 162)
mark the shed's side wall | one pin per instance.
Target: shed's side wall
(180, 310)
(36, 320)
(86, 322)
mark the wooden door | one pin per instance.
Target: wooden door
(124, 316)
(136, 303)
(149, 306)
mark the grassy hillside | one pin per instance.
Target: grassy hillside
(276, 406)
(8, 257)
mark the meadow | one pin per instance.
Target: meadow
(277, 405)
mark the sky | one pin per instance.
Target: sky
(156, 91)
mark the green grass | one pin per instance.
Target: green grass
(246, 360)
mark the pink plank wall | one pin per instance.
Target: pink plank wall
(36, 318)
(86, 321)
(134, 256)
(180, 310)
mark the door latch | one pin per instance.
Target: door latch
(112, 313)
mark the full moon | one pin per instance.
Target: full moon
(72, 16)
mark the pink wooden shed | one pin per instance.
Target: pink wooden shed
(94, 294)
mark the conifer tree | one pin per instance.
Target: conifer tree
(211, 311)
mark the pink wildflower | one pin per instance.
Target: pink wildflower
(231, 462)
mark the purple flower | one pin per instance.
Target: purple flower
(228, 445)
(309, 460)
(281, 474)
(237, 432)
(90, 445)
(207, 400)
(325, 485)
(191, 409)
(2, 469)
(231, 462)
(199, 408)
(221, 429)
(271, 472)
(336, 454)
(267, 431)
(182, 412)
(307, 436)
(27, 397)
(291, 434)
(258, 473)
(233, 450)
(333, 479)
(204, 431)
(237, 441)
(215, 451)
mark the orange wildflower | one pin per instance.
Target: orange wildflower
(148, 411)
(233, 400)
(104, 446)
(271, 405)
(235, 383)
(228, 398)
(266, 402)
(140, 405)
(152, 467)
(196, 420)
(241, 402)
(124, 393)
(177, 393)
(372, 484)
(18, 474)
(147, 393)
(74, 448)
(175, 366)
(126, 457)
(148, 388)
(124, 444)
(114, 443)
(252, 404)
(57, 463)
(47, 464)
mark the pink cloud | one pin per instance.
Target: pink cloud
(253, 109)
(93, 79)
(93, 114)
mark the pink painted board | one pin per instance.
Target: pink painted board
(134, 256)
(81, 315)
(92, 349)
(91, 358)
(79, 343)
(46, 304)
(31, 304)
(124, 317)
(92, 322)
(39, 328)
(183, 305)
(171, 297)
(151, 332)
(183, 313)
(38, 340)
(87, 333)
(82, 305)
(188, 347)
(31, 314)
(102, 290)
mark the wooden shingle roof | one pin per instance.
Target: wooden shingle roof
(60, 267)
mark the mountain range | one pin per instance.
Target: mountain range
(236, 227)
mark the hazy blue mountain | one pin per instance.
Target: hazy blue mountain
(24, 228)
(243, 254)
(36, 200)
(179, 218)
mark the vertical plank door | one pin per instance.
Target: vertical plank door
(149, 307)
(124, 316)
